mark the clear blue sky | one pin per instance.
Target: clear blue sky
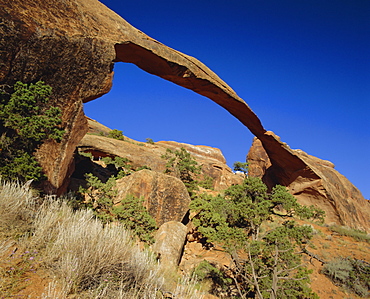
(302, 66)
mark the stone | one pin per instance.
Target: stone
(165, 197)
(313, 182)
(210, 159)
(169, 243)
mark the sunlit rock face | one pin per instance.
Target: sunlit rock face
(72, 46)
(209, 159)
(314, 182)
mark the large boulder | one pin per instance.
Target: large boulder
(169, 243)
(313, 182)
(165, 197)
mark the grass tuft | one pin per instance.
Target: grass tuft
(84, 257)
(349, 232)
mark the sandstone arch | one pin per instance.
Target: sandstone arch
(72, 46)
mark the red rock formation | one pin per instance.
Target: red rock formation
(71, 45)
(314, 182)
(169, 243)
(165, 197)
(210, 159)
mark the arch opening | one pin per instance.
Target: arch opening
(146, 106)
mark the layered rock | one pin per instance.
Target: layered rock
(210, 159)
(72, 46)
(313, 182)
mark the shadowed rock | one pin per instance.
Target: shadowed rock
(314, 182)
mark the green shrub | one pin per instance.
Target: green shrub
(350, 273)
(135, 216)
(206, 271)
(242, 167)
(181, 164)
(207, 182)
(233, 220)
(27, 119)
(149, 140)
(116, 134)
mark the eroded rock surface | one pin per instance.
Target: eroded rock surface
(72, 46)
(210, 159)
(169, 243)
(314, 182)
(165, 197)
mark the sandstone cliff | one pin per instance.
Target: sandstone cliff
(72, 46)
(314, 182)
(211, 160)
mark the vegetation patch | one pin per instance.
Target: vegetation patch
(266, 265)
(352, 274)
(349, 232)
(27, 119)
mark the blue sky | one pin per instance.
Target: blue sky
(302, 66)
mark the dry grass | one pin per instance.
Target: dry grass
(17, 208)
(355, 234)
(85, 258)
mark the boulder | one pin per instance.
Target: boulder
(169, 243)
(165, 197)
(313, 182)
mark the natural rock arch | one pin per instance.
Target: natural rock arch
(72, 45)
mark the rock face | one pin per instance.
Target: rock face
(72, 46)
(165, 197)
(314, 182)
(139, 153)
(169, 243)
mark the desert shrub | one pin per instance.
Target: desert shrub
(27, 119)
(149, 140)
(116, 134)
(181, 164)
(233, 220)
(349, 232)
(84, 254)
(350, 273)
(85, 258)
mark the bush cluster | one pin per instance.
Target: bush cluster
(233, 220)
(350, 273)
(27, 119)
